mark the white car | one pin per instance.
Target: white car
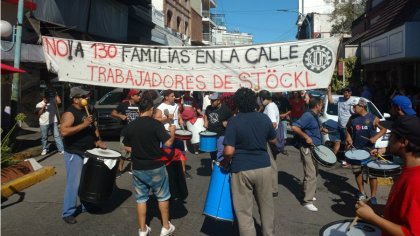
(329, 119)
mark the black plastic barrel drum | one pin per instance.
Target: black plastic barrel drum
(98, 175)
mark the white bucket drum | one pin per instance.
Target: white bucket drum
(324, 156)
(196, 128)
(181, 134)
(385, 169)
(357, 157)
(339, 228)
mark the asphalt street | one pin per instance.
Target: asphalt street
(37, 210)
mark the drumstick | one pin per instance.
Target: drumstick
(381, 157)
(364, 137)
(84, 103)
(352, 223)
(356, 218)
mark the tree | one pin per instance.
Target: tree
(344, 14)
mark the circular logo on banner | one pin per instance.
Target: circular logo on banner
(317, 58)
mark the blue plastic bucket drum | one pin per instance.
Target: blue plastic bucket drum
(219, 199)
(208, 141)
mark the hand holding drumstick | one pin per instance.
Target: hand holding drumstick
(363, 210)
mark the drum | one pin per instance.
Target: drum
(181, 134)
(324, 156)
(98, 174)
(381, 168)
(357, 157)
(196, 128)
(219, 199)
(340, 228)
(177, 182)
(208, 141)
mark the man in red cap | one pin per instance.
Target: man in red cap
(402, 211)
(127, 111)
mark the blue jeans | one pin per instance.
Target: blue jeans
(284, 123)
(218, 155)
(74, 165)
(57, 137)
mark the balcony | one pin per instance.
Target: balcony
(207, 17)
(207, 4)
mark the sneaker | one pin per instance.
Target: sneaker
(373, 201)
(314, 199)
(130, 172)
(361, 196)
(276, 194)
(62, 152)
(310, 207)
(70, 220)
(145, 233)
(167, 232)
(44, 152)
(187, 175)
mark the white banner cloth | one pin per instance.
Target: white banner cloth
(277, 67)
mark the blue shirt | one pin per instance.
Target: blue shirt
(363, 129)
(309, 124)
(248, 133)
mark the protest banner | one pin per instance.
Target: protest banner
(277, 67)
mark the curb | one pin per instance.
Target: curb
(19, 184)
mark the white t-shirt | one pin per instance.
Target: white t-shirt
(206, 103)
(44, 119)
(173, 109)
(345, 109)
(272, 111)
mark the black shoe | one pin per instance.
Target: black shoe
(70, 220)
(275, 194)
(285, 153)
(187, 175)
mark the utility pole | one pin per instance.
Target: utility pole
(15, 97)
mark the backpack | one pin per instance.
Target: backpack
(280, 141)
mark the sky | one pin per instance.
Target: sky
(260, 18)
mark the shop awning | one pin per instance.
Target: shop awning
(6, 69)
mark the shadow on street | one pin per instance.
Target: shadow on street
(338, 185)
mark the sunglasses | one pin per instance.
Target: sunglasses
(84, 97)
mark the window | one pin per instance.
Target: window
(178, 24)
(186, 29)
(168, 19)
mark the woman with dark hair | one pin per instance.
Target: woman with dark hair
(245, 149)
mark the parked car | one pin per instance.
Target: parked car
(109, 125)
(329, 119)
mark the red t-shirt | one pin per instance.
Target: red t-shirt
(297, 107)
(403, 206)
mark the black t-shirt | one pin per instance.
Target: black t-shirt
(144, 135)
(130, 110)
(216, 116)
(83, 140)
(282, 103)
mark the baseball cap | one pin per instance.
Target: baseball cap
(77, 92)
(214, 96)
(133, 92)
(362, 102)
(405, 126)
(348, 89)
(405, 104)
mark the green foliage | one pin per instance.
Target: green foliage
(338, 82)
(6, 147)
(344, 14)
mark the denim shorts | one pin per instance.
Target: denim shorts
(155, 180)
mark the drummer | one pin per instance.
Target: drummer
(402, 211)
(168, 112)
(361, 134)
(307, 127)
(80, 134)
(215, 120)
